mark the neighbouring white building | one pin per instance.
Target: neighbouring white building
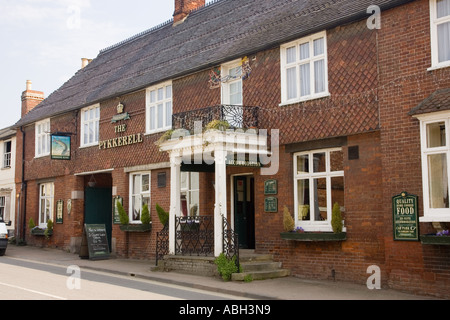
(7, 174)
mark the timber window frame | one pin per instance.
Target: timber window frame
(435, 153)
(90, 126)
(140, 193)
(440, 24)
(159, 108)
(304, 69)
(42, 138)
(46, 203)
(318, 180)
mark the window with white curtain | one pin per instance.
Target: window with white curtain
(304, 69)
(46, 207)
(139, 194)
(435, 130)
(440, 33)
(90, 126)
(318, 186)
(42, 140)
(159, 108)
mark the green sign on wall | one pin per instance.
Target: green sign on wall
(405, 217)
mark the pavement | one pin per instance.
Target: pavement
(288, 288)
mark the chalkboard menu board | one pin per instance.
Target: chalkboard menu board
(94, 244)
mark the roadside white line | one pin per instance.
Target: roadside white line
(32, 291)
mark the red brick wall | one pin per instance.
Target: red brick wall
(404, 56)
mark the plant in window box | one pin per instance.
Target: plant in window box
(36, 231)
(299, 234)
(441, 237)
(125, 220)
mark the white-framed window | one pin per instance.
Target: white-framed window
(232, 83)
(42, 140)
(159, 108)
(2, 208)
(90, 126)
(318, 185)
(435, 147)
(7, 148)
(440, 33)
(304, 69)
(139, 194)
(46, 206)
(190, 194)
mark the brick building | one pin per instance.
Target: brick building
(354, 113)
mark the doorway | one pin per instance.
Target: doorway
(98, 209)
(244, 210)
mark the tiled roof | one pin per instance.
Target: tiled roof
(216, 33)
(437, 101)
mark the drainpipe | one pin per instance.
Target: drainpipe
(24, 186)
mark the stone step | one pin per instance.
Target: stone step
(260, 266)
(260, 275)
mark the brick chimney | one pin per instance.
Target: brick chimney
(30, 99)
(183, 8)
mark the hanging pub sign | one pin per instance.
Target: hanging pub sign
(60, 147)
(405, 217)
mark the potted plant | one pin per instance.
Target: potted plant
(162, 215)
(125, 220)
(36, 231)
(299, 234)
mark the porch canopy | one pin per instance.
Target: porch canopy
(211, 148)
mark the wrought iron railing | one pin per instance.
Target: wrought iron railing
(230, 242)
(162, 243)
(242, 117)
(194, 236)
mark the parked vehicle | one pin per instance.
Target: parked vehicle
(3, 238)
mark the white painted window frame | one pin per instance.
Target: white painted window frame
(311, 225)
(50, 197)
(96, 123)
(297, 63)
(42, 138)
(166, 101)
(433, 214)
(434, 22)
(141, 193)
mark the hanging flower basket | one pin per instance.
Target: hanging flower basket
(314, 236)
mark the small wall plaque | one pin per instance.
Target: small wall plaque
(271, 204)
(271, 186)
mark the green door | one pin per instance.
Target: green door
(98, 208)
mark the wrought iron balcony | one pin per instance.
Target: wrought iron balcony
(237, 117)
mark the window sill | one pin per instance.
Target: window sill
(434, 218)
(314, 236)
(89, 145)
(439, 66)
(309, 98)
